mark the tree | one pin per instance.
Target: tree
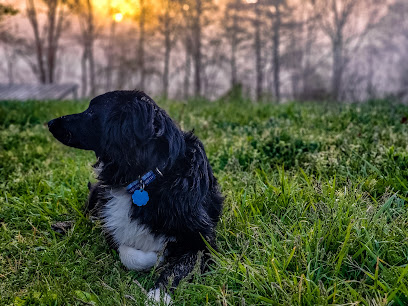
(235, 33)
(196, 39)
(393, 39)
(252, 10)
(311, 86)
(258, 49)
(8, 40)
(46, 44)
(301, 55)
(345, 23)
(145, 12)
(261, 10)
(110, 50)
(280, 14)
(187, 64)
(195, 20)
(87, 36)
(168, 25)
(276, 64)
(141, 50)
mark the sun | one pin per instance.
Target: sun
(118, 17)
(118, 9)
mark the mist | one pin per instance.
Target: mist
(265, 50)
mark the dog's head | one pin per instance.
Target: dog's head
(127, 131)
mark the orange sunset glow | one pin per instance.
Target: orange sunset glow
(118, 8)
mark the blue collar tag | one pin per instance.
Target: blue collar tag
(140, 196)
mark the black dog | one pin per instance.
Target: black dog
(156, 196)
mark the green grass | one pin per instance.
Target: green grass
(315, 211)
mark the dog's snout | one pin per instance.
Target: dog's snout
(74, 131)
(55, 125)
(50, 123)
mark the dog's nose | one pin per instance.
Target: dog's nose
(50, 123)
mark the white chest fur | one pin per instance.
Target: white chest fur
(124, 230)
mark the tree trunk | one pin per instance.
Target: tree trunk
(84, 74)
(337, 45)
(234, 45)
(370, 77)
(32, 16)
(92, 70)
(52, 12)
(10, 73)
(10, 58)
(91, 39)
(109, 68)
(167, 50)
(258, 58)
(307, 54)
(187, 69)
(276, 55)
(197, 49)
(141, 44)
(234, 78)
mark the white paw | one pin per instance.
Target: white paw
(158, 297)
(138, 260)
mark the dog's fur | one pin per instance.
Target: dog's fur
(130, 136)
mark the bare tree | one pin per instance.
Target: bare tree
(169, 21)
(393, 39)
(141, 49)
(258, 51)
(110, 53)
(187, 66)
(10, 57)
(298, 53)
(196, 38)
(280, 14)
(214, 64)
(87, 36)
(309, 32)
(167, 47)
(235, 33)
(187, 45)
(46, 43)
(276, 64)
(345, 23)
(195, 20)
(8, 40)
(254, 13)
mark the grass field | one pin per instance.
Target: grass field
(315, 212)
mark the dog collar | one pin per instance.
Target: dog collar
(140, 196)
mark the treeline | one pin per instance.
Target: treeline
(266, 49)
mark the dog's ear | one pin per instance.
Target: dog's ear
(129, 127)
(170, 139)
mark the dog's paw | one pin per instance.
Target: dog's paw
(138, 260)
(157, 297)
